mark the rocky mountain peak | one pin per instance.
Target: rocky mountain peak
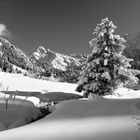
(55, 60)
(40, 52)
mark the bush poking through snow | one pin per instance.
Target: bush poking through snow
(46, 108)
(106, 68)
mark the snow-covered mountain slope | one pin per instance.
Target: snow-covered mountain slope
(14, 55)
(55, 60)
(40, 60)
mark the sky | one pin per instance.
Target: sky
(64, 26)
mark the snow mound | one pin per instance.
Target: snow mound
(81, 120)
(20, 114)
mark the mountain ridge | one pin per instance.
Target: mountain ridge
(54, 59)
(40, 60)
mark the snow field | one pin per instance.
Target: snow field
(109, 118)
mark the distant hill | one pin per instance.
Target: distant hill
(133, 46)
(133, 49)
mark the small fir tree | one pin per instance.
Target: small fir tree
(106, 68)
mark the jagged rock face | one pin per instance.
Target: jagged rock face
(40, 53)
(55, 60)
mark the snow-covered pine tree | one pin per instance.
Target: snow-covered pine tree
(106, 68)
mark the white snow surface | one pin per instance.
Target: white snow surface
(111, 118)
(101, 119)
(18, 82)
(15, 82)
(124, 93)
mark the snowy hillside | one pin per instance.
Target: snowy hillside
(14, 55)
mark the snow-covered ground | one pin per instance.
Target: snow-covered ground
(16, 82)
(17, 114)
(125, 93)
(23, 83)
(111, 118)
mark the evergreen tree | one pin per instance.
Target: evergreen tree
(106, 68)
